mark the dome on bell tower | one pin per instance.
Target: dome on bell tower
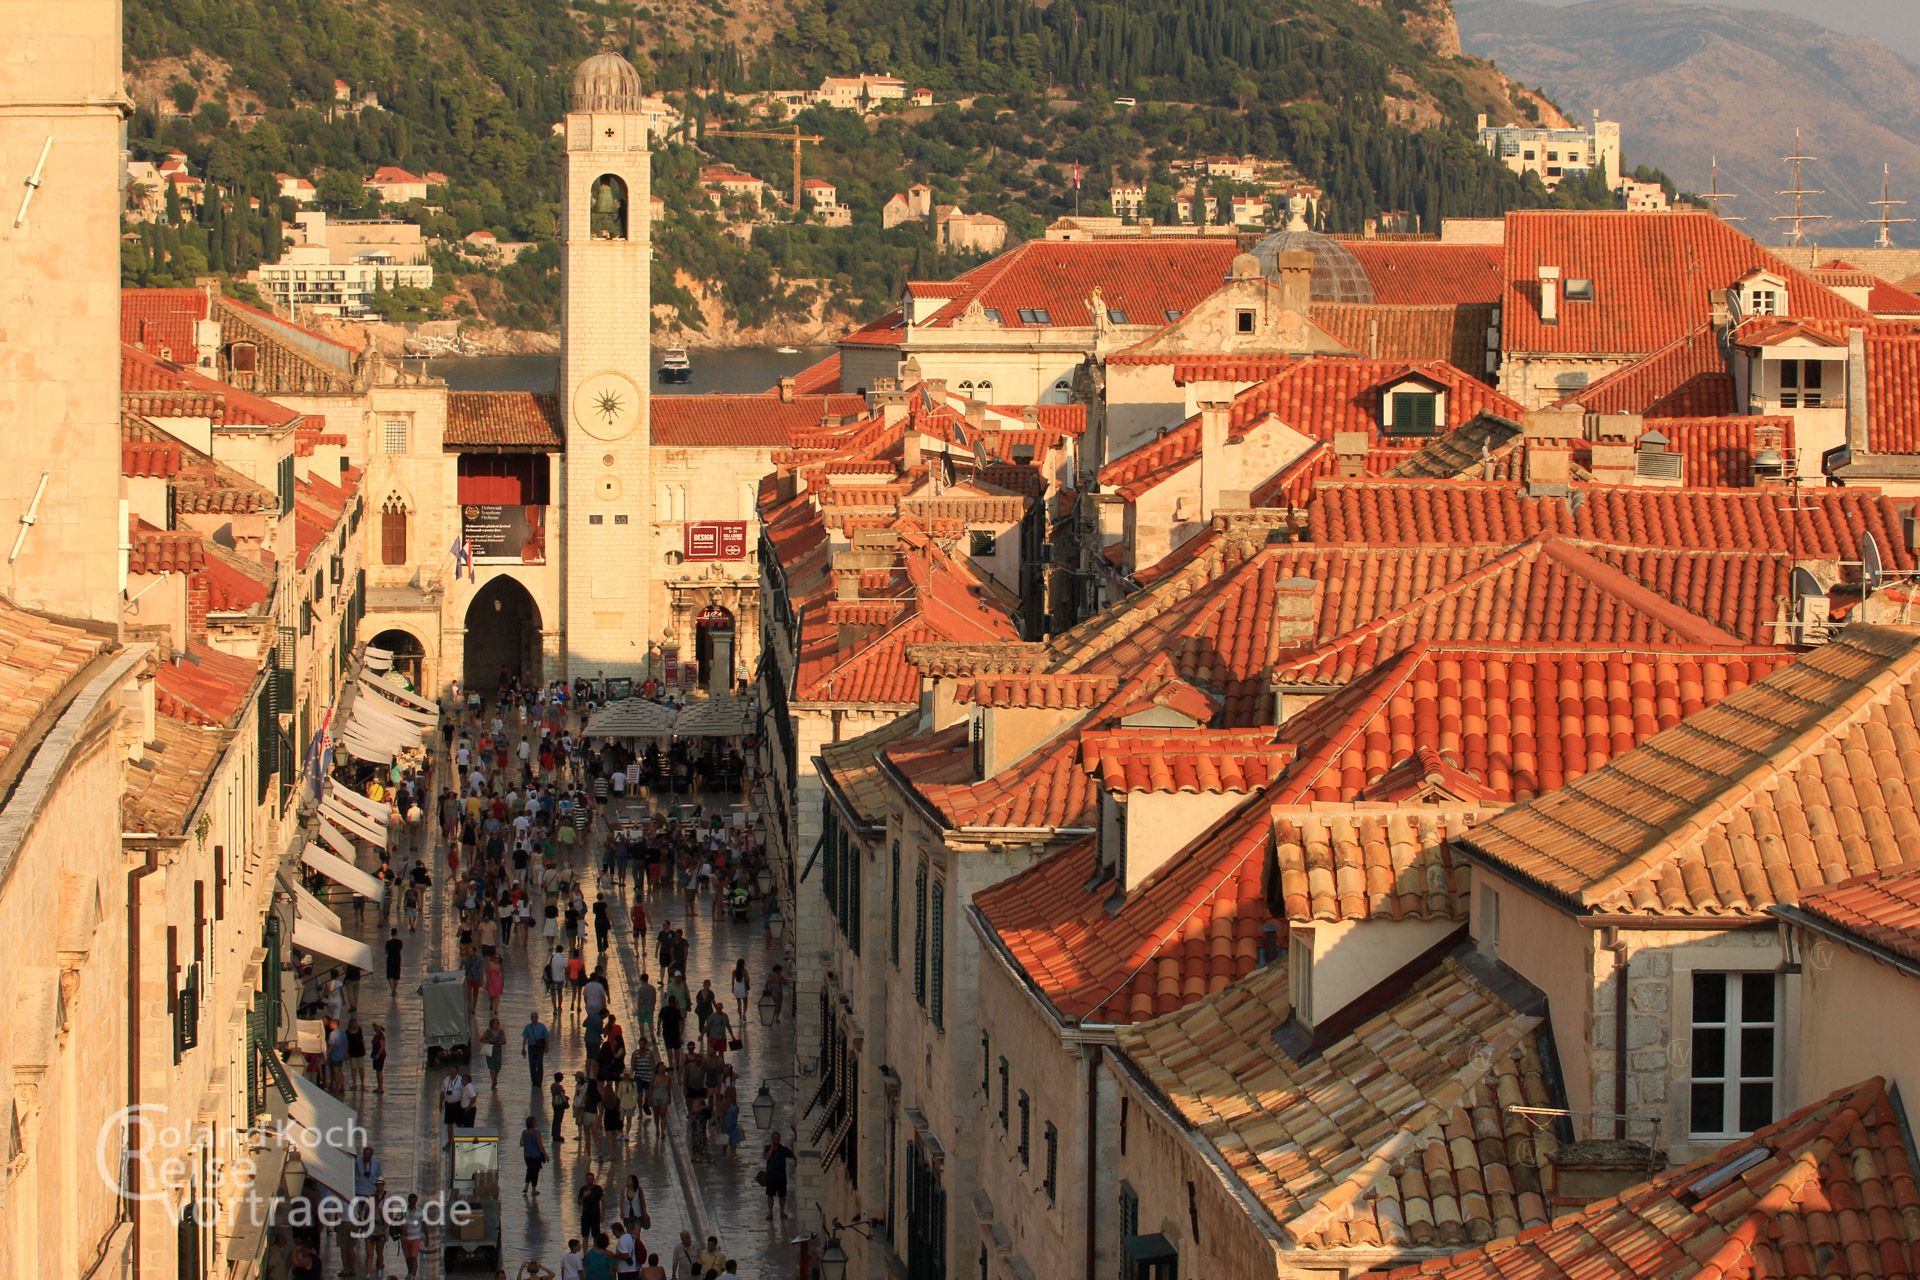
(606, 82)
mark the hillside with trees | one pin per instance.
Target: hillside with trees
(1369, 100)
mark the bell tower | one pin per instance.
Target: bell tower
(607, 569)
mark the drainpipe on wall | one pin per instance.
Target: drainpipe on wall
(1610, 942)
(1093, 1159)
(146, 867)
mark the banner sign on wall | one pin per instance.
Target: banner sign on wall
(717, 540)
(516, 534)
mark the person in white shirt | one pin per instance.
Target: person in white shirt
(574, 1265)
(626, 1250)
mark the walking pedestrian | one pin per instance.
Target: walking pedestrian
(742, 988)
(773, 1175)
(558, 1101)
(533, 1047)
(496, 983)
(685, 1258)
(495, 1038)
(590, 1197)
(377, 1055)
(394, 948)
(357, 1053)
(633, 1211)
(534, 1151)
(645, 1001)
(413, 1235)
(712, 1259)
(626, 1250)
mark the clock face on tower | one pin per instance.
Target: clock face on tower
(606, 405)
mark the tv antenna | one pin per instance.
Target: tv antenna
(1715, 196)
(1799, 191)
(1887, 204)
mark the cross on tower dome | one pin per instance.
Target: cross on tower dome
(606, 82)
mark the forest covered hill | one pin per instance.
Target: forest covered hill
(1370, 100)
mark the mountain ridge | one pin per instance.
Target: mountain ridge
(1680, 78)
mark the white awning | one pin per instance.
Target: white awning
(392, 689)
(336, 840)
(375, 809)
(326, 1132)
(386, 698)
(354, 821)
(344, 873)
(632, 718)
(724, 717)
(361, 749)
(305, 905)
(378, 659)
(323, 941)
(377, 726)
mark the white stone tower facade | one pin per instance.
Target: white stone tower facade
(608, 557)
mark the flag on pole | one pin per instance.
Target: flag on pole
(462, 558)
(1076, 175)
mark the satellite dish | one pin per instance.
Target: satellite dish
(1873, 571)
(1808, 616)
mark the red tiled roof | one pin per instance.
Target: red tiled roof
(888, 331)
(1814, 522)
(160, 551)
(1740, 591)
(1718, 450)
(1883, 299)
(1881, 908)
(165, 381)
(39, 659)
(230, 589)
(151, 459)
(1893, 394)
(822, 378)
(718, 420)
(1797, 782)
(1200, 922)
(1293, 485)
(1517, 720)
(502, 420)
(1828, 1191)
(1687, 378)
(162, 319)
(1455, 333)
(1651, 272)
(394, 173)
(1417, 273)
(204, 686)
(1191, 760)
(1142, 278)
(1316, 397)
(164, 789)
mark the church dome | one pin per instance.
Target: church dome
(606, 82)
(1337, 274)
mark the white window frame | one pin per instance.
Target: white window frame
(1734, 1070)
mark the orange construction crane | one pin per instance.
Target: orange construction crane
(796, 137)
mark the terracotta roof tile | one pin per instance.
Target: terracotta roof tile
(39, 659)
(1743, 592)
(156, 459)
(1514, 720)
(1893, 394)
(1799, 781)
(1454, 333)
(1651, 273)
(164, 788)
(502, 420)
(1686, 378)
(1364, 1145)
(822, 378)
(1830, 1190)
(161, 321)
(1814, 522)
(1143, 279)
(1411, 273)
(204, 686)
(1183, 760)
(852, 768)
(720, 421)
(158, 384)
(1880, 908)
(1316, 397)
(1293, 486)
(160, 551)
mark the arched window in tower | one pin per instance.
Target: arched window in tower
(608, 212)
(393, 530)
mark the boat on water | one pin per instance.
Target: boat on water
(788, 351)
(675, 367)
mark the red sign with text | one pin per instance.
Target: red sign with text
(717, 540)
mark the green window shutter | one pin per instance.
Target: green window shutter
(937, 1002)
(853, 895)
(1415, 413)
(920, 934)
(893, 916)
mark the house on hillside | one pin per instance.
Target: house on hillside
(395, 185)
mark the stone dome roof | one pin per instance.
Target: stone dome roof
(606, 82)
(1337, 274)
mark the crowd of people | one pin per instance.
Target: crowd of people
(529, 809)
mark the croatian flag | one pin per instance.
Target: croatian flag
(462, 558)
(1076, 175)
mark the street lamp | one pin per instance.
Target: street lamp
(769, 1009)
(763, 880)
(763, 1107)
(777, 924)
(833, 1260)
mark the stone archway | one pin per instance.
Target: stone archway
(714, 647)
(409, 654)
(503, 634)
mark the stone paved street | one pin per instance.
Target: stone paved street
(715, 1197)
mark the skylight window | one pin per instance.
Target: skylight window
(1116, 316)
(1579, 289)
(1172, 314)
(993, 314)
(1035, 315)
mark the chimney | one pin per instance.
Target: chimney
(1856, 391)
(1213, 455)
(1613, 462)
(786, 390)
(1296, 281)
(885, 384)
(976, 414)
(1030, 415)
(1719, 309)
(1350, 453)
(1296, 610)
(910, 449)
(846, 580)
(1549, 295)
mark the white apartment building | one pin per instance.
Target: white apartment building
(1554, 154)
